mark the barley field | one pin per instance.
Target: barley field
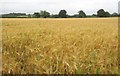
(60, 46)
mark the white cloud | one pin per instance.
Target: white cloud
(53, 6)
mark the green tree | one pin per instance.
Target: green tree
(101, 13)
(29, 16)
(36, 15)
(94, 15)
(107, 14)
(114, 14)
(63, 14)
(44, 14)
(82, 14)
(54, 16)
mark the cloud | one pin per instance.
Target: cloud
(53, 6)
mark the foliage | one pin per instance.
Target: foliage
(63, 14)
(54, 16)
(36, 15)
(44, 14)
(114, 14)
(102, 13)
(13, 15)
(82, 14)
(107, 14)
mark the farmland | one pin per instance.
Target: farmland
(60, 46)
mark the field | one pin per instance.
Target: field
(60, 46)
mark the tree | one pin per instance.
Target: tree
(75, 16)
(101, 13)
(82, 14)
(54, 16)
(44, 14)
(63, 14)
(36, 15)
(94, 15)
(29, 16)
(114, 14)
(107, 14)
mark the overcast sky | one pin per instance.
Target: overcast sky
(54, 6)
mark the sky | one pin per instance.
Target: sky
(54, 6)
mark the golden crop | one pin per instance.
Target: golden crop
(60, 46)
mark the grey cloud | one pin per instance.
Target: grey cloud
(53, 6)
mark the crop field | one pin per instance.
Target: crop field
(60, 46)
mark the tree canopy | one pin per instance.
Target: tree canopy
(36, 15)
(82, 14)
(44, 14)
(63, 14)
(102, 13)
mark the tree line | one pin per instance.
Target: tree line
(61, 14)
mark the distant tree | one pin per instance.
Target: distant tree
(82, 14)
(75, 16)
(107, 14)
(14, 15)
(114, 14)
(36, 15)
(94, 15)
(44, 14)
(63, 14)
(101, 13)
(0, 16)
(54, 16)
(17, 14)
(29, 16)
